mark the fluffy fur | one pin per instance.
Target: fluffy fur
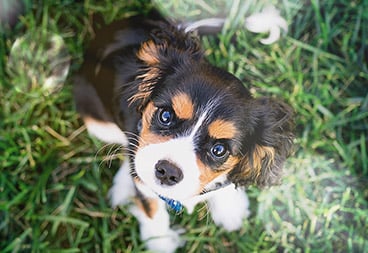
(192, 131)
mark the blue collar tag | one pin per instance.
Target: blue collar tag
(173, 204)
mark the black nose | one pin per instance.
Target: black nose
(168, 173)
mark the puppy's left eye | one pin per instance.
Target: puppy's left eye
(219, 151)
(166, 116)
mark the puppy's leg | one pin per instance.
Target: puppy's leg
(123, 190)
(155, 228)
(229, 207)
(151, 213)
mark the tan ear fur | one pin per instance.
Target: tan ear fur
(148, 53)
(263, 157)
(146, 86)
(257, 168)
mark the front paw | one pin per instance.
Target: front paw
(122, 190)
(167, 243)
(155, 231)
(229, 208)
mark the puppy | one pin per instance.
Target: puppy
(192, 132)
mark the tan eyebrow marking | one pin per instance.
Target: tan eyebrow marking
(222, 129)
(183, 106)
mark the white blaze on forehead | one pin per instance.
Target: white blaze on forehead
(181, 152)
(197, 126)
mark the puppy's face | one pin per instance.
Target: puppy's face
(191, 134)
(200, 125)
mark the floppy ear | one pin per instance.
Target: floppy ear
(168, 49)
(267, 145)
(148, 75)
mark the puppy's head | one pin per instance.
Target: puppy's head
(200, 125)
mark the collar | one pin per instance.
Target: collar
(215, 185)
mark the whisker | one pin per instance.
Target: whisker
(113, 153)
(135, 137)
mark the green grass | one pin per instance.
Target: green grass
(54, 179)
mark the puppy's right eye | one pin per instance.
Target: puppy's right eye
(166, 117)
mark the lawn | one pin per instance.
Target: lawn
(54, 178)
